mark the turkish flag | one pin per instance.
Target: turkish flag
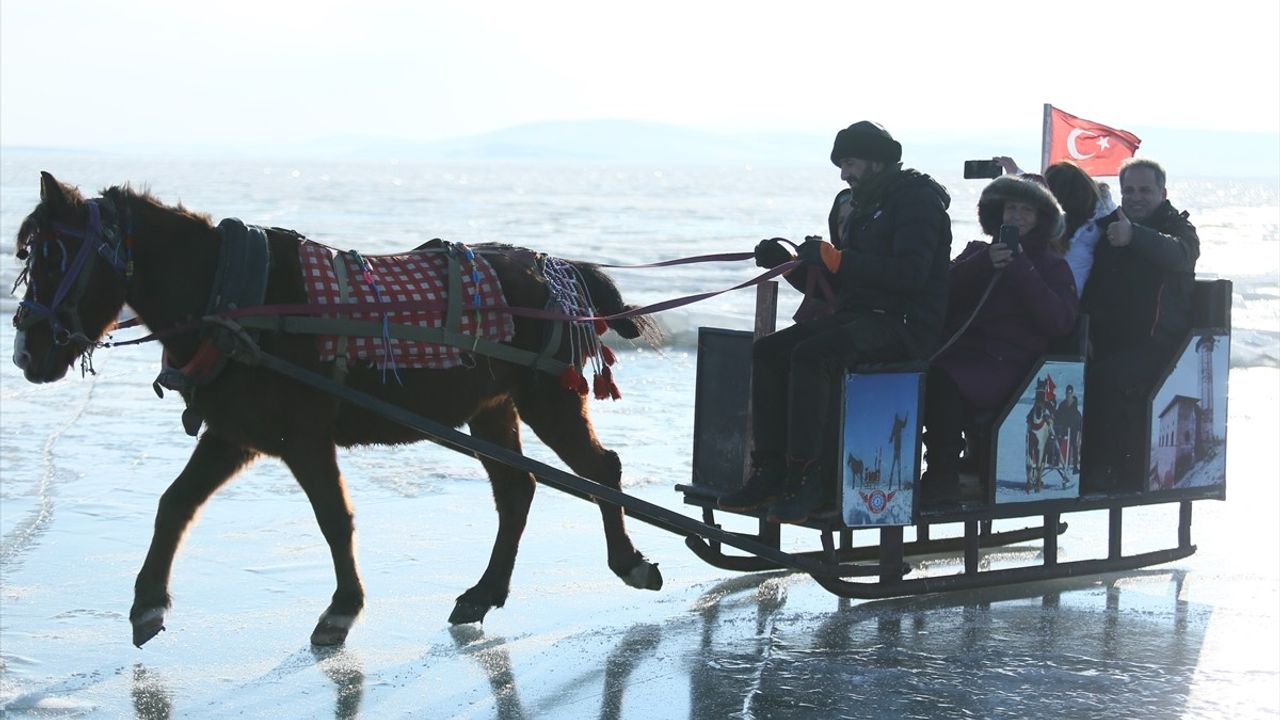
(1096, 148)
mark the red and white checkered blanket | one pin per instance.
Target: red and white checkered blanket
(413, 277)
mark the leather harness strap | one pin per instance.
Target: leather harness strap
(344, 297)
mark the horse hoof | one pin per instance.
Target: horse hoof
(147, 625)
(331, 630)
(467, 612)
(645, 576)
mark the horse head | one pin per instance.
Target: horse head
(76, 263)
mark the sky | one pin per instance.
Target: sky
(81, 73)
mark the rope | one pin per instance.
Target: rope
(981, 301)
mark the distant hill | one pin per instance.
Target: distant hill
(1186, 153)
(592, 141)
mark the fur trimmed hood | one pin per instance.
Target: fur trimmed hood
(1052, 222)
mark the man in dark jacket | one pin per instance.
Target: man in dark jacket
(1139, 303)
(888, 271)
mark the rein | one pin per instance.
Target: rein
(282, 310)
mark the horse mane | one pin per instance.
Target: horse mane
(120, 195)
(145, 197)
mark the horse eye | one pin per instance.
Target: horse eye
(23, 254)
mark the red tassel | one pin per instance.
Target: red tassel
(571, 379)
(601, 386)
(614, 392)
(583, 388)
(607, 355)
(601, 326)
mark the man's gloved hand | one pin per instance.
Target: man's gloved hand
(771, 253)
(811, 251)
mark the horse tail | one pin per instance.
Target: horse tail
(608, 301)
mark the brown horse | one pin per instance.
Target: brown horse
(86, 258)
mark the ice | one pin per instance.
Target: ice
(83, 463)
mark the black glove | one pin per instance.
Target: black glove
(811, 252)
(771, 253)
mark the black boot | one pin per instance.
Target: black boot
(803, 493)
(761, 488)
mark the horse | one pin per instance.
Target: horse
(856, 469)
(1040, 436)
(85, 258)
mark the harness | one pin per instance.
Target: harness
(236, 315)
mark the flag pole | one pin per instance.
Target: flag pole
(1045, 131)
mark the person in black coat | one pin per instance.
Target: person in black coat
(1067, 422)
(1138, 298)
(887, 271)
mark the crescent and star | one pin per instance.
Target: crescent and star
(1076, 134)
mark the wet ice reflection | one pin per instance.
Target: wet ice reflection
(1014, 653)
(151, 697)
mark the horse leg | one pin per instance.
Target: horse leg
(559, 418)
(512, 494)
(214, 461)
(314, 465)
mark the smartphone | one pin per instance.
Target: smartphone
(1009, 236)
(982, 169)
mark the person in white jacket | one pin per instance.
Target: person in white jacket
(1084, 202)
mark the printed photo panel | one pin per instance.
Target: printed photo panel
(880, 448)
(1189, 418)
(1037, 453)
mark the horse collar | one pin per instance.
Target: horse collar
(244, 261)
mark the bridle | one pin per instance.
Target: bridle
(105, 237)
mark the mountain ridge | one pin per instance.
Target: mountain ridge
(1185, 152)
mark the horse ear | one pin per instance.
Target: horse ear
(51, 192)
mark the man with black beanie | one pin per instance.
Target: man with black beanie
(887, 266)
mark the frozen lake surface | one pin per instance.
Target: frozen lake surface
(83, 463)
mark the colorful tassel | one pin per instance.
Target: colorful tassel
(601, 326)
(605, 386)
(570, 378)
(607, 355)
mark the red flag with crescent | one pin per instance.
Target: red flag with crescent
(1096, 148)
(1050, 389)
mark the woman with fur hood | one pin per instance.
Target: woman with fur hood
(1033, 300)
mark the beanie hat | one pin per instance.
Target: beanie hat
(866, 140)
(1022, 189)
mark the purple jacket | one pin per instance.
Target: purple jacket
(1033, 301)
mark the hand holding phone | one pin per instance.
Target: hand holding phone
(982, 169)
(1003, 247)
(1010, 236)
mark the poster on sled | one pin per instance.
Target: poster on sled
(880, 448)
(1189, 418)
(1038, 445)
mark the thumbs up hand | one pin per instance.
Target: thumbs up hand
(1120, 232)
